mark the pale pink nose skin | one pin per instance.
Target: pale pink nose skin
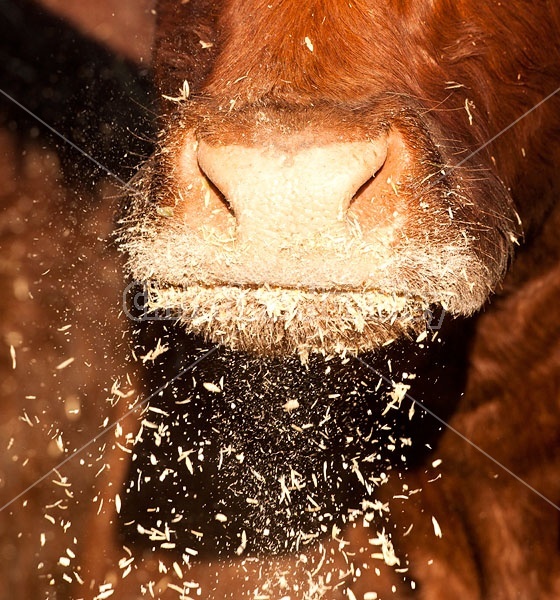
(300, 211)
(281, 197)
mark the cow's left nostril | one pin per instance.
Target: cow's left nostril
(288, 188)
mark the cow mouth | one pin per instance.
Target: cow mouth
(271, 278)
(275, 321)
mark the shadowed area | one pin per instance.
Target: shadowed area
(249, 455)
(61, 76)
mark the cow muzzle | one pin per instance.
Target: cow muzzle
(300, 240)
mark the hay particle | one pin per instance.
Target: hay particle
(212, 387)
(290, 405)
(65, 363)
(437, 529)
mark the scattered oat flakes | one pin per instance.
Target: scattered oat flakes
(291, 405)
(437, 528)
(212, 387)
(65, 363)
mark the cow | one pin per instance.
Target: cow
(326, 175)
(346, 245)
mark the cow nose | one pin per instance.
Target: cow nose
(293, 192)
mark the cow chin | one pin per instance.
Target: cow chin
(280, 321)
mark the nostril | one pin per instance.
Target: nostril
(198, 200)
(361, 190)
(370, 186)
(223, 167)
(215, 190)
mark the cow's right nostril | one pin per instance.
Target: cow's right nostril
(218, 194)
(285, 191)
